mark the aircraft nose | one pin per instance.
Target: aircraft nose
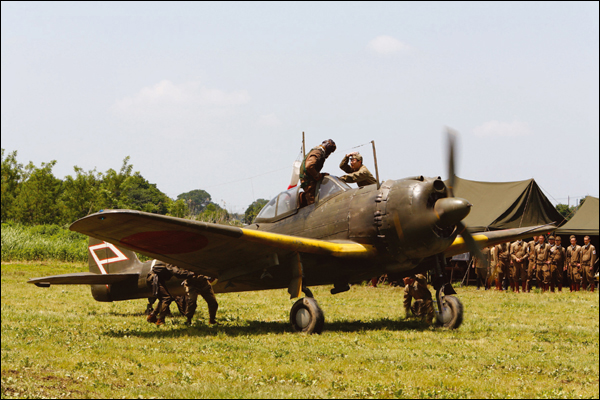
(451, 210)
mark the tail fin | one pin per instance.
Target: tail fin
(106, 258)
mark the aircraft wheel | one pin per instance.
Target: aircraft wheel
(451, 315)
(307, 316)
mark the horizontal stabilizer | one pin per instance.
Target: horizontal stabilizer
(82, 278)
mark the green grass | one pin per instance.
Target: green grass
(59, 342)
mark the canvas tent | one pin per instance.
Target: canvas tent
(504, 205)
(585, 220)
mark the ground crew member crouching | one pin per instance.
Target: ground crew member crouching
(416, 287)
(157, 280)
(356, 171)
(542, 259)
(531, 266)
(199, 285)
(588, 259)
(574, 264)
(518, 257)
(557, 264)
(502, 263)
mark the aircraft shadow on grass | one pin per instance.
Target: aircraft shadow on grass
(178, 329)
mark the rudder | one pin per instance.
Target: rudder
(107, 258)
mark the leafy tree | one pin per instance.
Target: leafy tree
(112, 188)
(80, 194)
(178, 208)
(213, 213)
(565, 210)
(253, 210)
(196, 200)
(139, 194)
(12, 175)
(36, 202)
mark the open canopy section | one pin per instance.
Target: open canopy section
(505, 205)
(585, 220)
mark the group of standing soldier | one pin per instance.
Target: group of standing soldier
(552, 265)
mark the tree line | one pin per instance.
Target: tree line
(32, 195)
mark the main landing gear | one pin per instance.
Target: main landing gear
(306, 315)
(449, 309)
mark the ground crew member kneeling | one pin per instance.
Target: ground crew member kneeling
(199, 285)
(416, 287)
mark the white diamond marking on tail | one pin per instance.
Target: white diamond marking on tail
(119, 255)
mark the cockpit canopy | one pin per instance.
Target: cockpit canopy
(286, 203)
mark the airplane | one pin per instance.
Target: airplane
(349, 235)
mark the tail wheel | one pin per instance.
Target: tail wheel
(451, 314)
(307, 316)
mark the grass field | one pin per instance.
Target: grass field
(58, 342)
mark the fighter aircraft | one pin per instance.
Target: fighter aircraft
(399, 228)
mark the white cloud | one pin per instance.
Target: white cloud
(166, 93)
(269, 120)
(387, 45)
(496, 128)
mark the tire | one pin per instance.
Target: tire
(306, 316)
(452, 313)
(417, 308)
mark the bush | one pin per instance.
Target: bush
(42, 242)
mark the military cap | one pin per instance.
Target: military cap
(357, 156)
(551, 238)
(557, 237)
(572, 237)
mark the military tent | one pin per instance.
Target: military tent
(585, 220)
(504, 205)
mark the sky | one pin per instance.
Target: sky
(215, 96)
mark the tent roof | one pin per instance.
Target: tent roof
(504, 205)
(585, 220)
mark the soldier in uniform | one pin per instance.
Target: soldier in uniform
(574, 264)
(482, 267)
(518, 255)
(557, 264)
(416, 287)
(310, 170)
(200, 285)
(502, 263)
(356, 171)
(531, 262)
(157, 279)
(542, 263)
(588, 258)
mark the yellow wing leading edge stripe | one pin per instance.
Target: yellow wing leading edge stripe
(305, 245)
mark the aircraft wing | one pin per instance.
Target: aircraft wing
(218, 251)
(492, 238)
(82, 278)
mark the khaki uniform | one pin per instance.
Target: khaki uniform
(557, 264)
(482, 268)
(574, 270)
(588, 258)
(157, 280)
(542, 255)
(424, 305)
(199, 285)
(310, 173)
(518, 269)
(362, 177)
(531, 264)
(502, 263)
